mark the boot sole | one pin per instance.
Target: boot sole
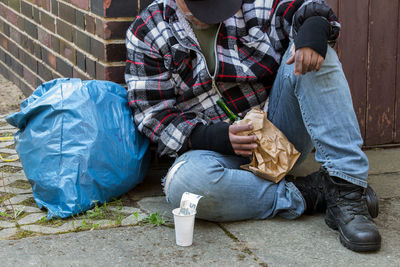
(372, 202)
(331, 222)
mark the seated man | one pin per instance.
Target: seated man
(184, 55)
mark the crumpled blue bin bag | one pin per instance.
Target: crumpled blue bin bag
(78, 145)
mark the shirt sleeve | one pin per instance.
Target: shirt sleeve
(287, 17)
(151, 91)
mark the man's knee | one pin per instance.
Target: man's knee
(194, 172)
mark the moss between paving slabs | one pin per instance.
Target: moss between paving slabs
(52, 223)
(23, 234)
(11, 146)
(6, 134)
(10, 169)
(4, 123)
(5, 196)
(29, 202)
(21, 184)
(5, 155)
(11, 215)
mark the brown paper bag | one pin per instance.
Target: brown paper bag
(275, 156)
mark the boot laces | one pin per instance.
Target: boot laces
(353, 204)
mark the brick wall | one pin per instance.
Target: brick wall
(42, 40)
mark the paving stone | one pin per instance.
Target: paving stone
(7, 232)
(14, 190)
(7, 126)
(42, 229)
(9, 151)
(6, 144)
(71, 225)
(132, 220)
(8, 179)
(12, 131)
(104, 222)
(18, 199)
(27, 209)
(157, 204)
(6, 224)
(31, 218)
(126, 210)
(13, 164)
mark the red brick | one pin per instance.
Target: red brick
(15, 35)
(52, 60)
(77, 74)
(115, 29)
(110, 73)
(44, 37)
(84, 4)
(46, 4)
(67, 51)
(90, 24)
(29, 76)
(12, 17)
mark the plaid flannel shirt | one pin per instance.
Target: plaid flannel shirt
(170, 89)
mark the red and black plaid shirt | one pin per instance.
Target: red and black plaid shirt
(169, 88)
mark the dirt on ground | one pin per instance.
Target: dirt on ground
(10, 96)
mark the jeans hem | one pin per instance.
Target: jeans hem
(348, 178)
(290, 186)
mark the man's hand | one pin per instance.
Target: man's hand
(305, 60)
(242, 145)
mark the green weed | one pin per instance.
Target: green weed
(155, 219)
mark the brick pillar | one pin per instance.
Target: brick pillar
(42, 40)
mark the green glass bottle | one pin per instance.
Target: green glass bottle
(232, 116)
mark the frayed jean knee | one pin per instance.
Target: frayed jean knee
(229, 193)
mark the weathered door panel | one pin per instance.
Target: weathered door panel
(382, 71)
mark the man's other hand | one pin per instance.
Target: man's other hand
(242, 145)
(305, 59)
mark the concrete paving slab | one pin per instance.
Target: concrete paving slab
(26, 209)
(17, 199)
(12, 164)
(9, 151)
(127, 246)
(6, 224)
(157, 204)
(386, 185)
(14, 190)
(5, 144)
(32, 218)
(6, 233)
(42, 229)
(133, 220)
(309, 242)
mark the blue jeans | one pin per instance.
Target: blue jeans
(312, 110)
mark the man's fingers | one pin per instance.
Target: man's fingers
(292, 55)
(298, 63)
(244, 153)
(236, 128)
(313, 61)
(319, 63)
(306, 62)
(237, 139)
(290, 60)
(244, 146)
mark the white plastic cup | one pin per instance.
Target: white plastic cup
(184, 225)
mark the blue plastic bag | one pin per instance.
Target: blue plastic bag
(78, 145)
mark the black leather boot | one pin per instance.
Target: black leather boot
(347, 212)
(312, 190)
